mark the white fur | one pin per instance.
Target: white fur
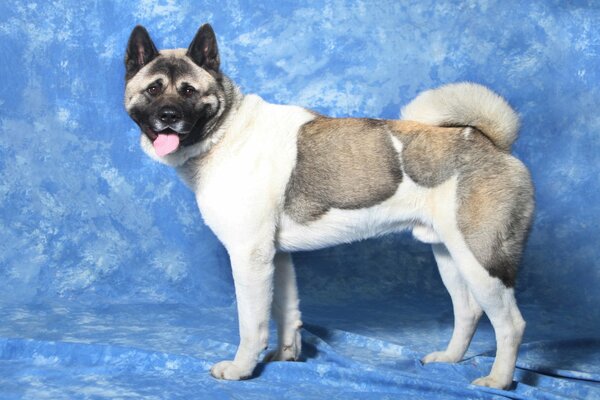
(466, 104)
(425, 234)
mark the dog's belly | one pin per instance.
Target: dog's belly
(408, 207)
(338, 226)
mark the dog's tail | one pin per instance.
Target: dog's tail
(466, 104)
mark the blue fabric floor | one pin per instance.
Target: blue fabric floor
(354, 351)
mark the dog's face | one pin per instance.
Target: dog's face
(175, 96)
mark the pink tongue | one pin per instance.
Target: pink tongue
(165, 144)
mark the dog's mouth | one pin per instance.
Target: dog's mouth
(165, 141)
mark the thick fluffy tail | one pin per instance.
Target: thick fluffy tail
(466, 104)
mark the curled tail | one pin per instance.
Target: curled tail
(466, 104)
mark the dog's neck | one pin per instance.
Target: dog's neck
(233, 101)
(232, 122)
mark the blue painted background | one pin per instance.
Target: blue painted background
(85, 216)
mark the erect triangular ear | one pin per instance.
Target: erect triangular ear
(203, 50)
(140, 51)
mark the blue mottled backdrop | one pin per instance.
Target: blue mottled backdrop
(92, 306)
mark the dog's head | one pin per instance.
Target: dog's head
(177, 97)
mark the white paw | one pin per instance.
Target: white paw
(230, 371)
(490, 381)
(439, 356)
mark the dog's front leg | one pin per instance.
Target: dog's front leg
(253, 278)
(285, 311)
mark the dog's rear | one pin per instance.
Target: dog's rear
(482, 233)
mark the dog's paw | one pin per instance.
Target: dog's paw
(230, 371)
(289, 352)
(490, 381)
(439, 356)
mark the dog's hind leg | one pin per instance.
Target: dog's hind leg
(498, 302)
(501, 308)
(484, 232)
(466, 309)
(285, 311)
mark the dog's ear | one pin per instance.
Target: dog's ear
(140, 51)
(204, 51)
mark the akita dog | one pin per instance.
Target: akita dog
(271, 179)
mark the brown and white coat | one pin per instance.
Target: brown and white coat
(271, 179)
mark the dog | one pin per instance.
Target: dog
(272, 179)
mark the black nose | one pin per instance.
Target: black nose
(169, 115)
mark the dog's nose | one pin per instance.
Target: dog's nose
(169, 115)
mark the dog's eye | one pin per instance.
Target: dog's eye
(188, 91)
(153, 90)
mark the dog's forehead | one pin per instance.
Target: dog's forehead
(174, 66)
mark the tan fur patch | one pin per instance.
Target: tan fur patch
(495, 212)
(429, 153)
(343, 163)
